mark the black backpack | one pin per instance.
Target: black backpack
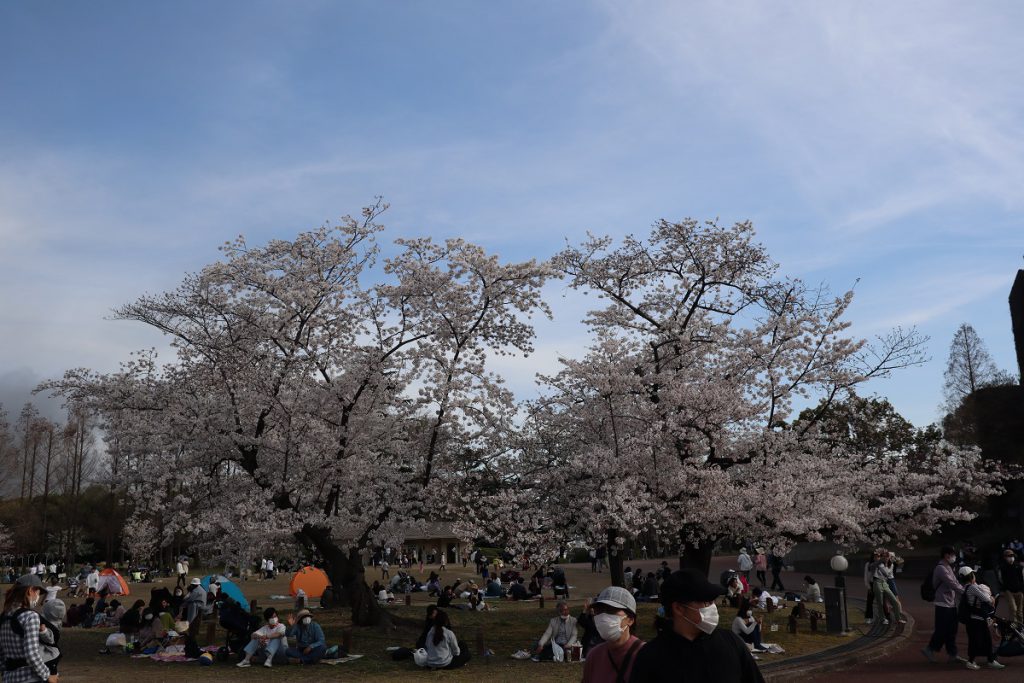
(928, 588)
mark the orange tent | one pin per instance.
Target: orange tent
(311, 580)
(113, 582)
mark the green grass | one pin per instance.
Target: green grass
(510, 627)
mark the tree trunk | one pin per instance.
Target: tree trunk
(348, 578)
(614, 554)
(697, 557)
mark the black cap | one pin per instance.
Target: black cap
(688, 585)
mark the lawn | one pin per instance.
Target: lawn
(504, 630)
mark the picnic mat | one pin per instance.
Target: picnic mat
(341, 660)
(176, 656)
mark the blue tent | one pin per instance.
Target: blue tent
(228, 587)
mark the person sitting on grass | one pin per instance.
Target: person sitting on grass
(747, 627)
(493, 589)
(443, 651)
(477, 604)
(421, 642)
(560, 634)
(518, 591)
(761, 598)
(267, 639)
(812, 591)
(310, 644)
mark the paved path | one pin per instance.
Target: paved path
(908, 664)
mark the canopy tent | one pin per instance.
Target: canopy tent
(227, 587)
(113, 582)
(311, 580)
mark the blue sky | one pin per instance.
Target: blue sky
(870, 140)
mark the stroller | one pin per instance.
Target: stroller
(1011, 637)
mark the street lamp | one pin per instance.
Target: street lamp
(839, 565)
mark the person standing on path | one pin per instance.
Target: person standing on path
(883, 574)
(947, 596)
(776, 563)
(761, 566)
(181, 569)
(1011, 580)
(979, 637)
(744, 563)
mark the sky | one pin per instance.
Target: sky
(874, 145)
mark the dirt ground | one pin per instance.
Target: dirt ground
(504, 630)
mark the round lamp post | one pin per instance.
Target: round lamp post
(839, 565)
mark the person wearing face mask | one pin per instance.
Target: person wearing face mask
(310, 644)
(194, 603)
(20, 654)
(689, 646)
(614, 617)
(268, 638)
(947, 596)
(560, 634)
(1011, 579)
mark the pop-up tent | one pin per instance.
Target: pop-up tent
(227, 587)
(311, 580)
(113, 582)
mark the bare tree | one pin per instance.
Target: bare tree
(969, 367)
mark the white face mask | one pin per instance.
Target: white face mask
(708, 619)
(750, 613)
(306, 621)
(272, 621)
(609, 626)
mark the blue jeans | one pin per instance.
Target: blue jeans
(314, 656)
(272, 647)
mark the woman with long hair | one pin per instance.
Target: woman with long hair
(443, 651)
(19, 634)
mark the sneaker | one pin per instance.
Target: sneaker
(268, 662)
(929, 654)
(901, 621)
(869, 621)
(535, 658)
(972, 666)
(995, 665)
(956, 659)
(885, 622)
(244, 663)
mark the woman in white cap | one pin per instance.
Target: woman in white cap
(19, 634)
(979, 638)
(614, 617)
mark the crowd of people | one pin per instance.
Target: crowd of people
(961, 596)
(601, 634)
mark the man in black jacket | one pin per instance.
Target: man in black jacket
(689, 646)
(1011, 579)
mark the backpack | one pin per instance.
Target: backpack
(928, 588)
(963, 610)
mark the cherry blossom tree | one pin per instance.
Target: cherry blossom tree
(304, 399)
(680, 416)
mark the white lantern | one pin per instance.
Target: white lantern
(840, 564)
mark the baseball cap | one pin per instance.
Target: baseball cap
(196, 582)
(965, 571)
(617, 597)
(30, 581)
(688, 585)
